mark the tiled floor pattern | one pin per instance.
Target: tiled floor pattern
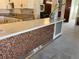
(65, 47)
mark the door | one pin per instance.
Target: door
(67, 10)
(48, 6)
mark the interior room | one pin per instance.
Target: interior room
(39, 29)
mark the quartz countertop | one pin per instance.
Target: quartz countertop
(12, 29)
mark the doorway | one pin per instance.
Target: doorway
(67, 10)
(47, 8)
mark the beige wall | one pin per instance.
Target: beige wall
(3, 4)
(35, 4)
(78, 10)
(30, 3)
(74, 8)
(37, 8)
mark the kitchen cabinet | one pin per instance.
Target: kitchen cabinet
(20, 3)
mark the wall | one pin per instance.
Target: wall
(78, 9)
(35, 4)
(30, 4)
(74, 8)
(37, 8)
(3, 4)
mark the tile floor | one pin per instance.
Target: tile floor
(65, 47)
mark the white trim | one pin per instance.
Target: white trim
(54, 30)
(57, 35)
(59, 21)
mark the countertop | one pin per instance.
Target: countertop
(12, 29)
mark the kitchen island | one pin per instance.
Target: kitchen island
(18, 39)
